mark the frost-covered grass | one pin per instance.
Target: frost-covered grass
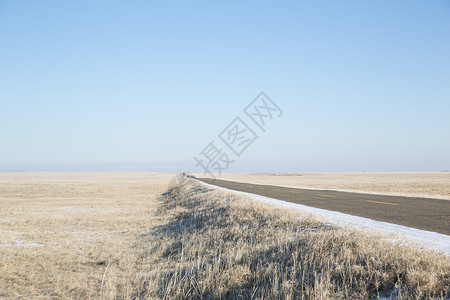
(124, 236)
(396, 233)
(219, 244)
(73, 235)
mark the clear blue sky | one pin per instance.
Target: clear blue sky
(143, 85)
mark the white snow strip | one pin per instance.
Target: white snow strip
(397, 233)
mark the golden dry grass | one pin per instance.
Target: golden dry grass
(220, 245)
(415, 184)
(114, 236)
(72, 235)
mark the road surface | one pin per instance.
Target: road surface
(421, 213)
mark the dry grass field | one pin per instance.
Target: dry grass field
(221, 245)
(423, 184)
(73, 235)
(124, 236)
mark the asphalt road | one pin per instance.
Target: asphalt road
(421, 213)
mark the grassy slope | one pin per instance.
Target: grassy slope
(220, 245)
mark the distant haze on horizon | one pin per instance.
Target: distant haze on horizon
(142, 86)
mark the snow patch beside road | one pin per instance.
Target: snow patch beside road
(397, 233)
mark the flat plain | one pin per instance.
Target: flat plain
(414, 184)
(65, 235)
(126, 235)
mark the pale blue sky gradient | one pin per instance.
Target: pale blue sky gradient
(143, 85)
